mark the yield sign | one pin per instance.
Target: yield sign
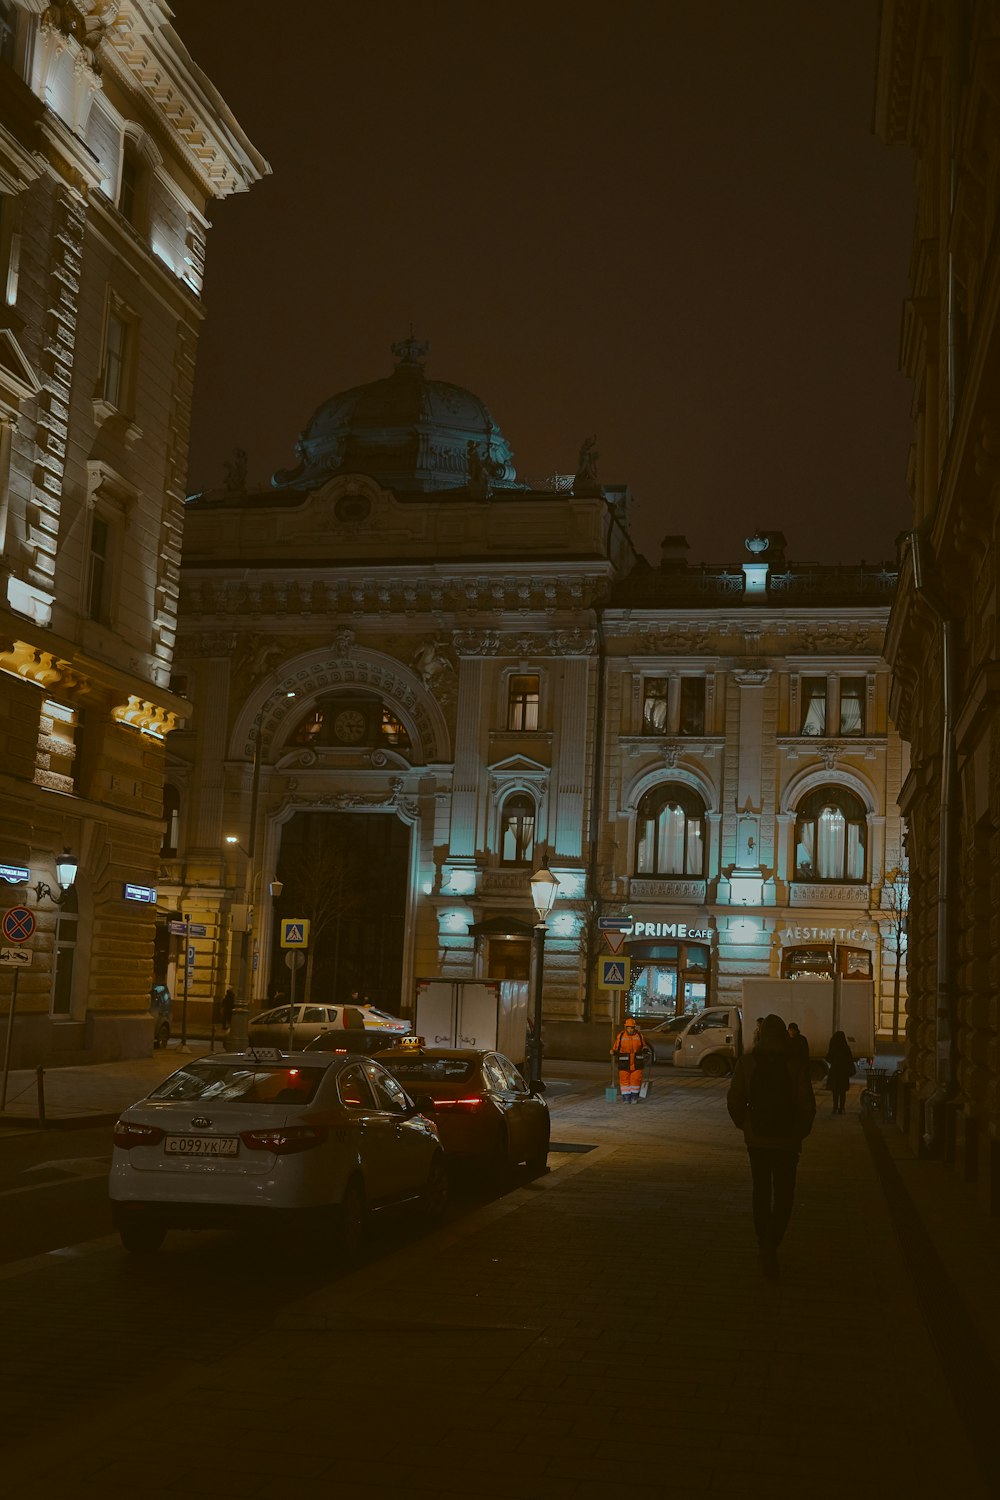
(615, 940)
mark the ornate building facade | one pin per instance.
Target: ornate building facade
(113, 144)
(405, 660)
(939, 94)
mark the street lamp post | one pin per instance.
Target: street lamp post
(544, 888)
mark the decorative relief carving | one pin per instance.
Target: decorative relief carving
(751, 676)
(576, 642)
(506, 880)
(476, 642)
(829, 895)
(667, 890)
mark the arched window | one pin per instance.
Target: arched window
(670, 833)
(831, 836)
(357, 720)
(517, 830)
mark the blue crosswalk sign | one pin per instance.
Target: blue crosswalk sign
(294, 932)
(614, 973)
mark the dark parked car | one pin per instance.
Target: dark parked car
(484, 1110)
(349, 1040)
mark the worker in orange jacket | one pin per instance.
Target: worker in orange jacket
(631, 1051)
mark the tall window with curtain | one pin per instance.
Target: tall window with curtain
(852, 705)
(831, 836)
(671, 833)
(813, 705)
(522, 701)
(517, 829)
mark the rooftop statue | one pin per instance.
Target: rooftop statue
(585, 480)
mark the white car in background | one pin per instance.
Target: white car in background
(264, 1139)
(270, 1028)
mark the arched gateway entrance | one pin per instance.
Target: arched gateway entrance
(347, 873)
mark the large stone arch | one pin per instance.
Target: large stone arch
(661, 775)
(279, 699)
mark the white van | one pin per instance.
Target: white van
(710, 1041)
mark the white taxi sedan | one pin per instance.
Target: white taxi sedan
(261, 1139)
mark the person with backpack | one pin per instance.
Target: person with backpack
(631, 1052)
(771, 1100)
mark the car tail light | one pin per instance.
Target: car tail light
(465, 1106)
(284, 1140)
(129, 1133)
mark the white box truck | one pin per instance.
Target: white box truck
(714, 1038)
(490, 1015)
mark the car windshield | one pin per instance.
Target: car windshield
(250, 1083)
(430, 1069)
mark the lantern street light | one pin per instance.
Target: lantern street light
(544, 888)
(66, 867)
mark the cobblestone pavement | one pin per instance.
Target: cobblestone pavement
(602, 1331)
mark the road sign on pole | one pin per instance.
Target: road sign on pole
(294, 932)
(15, 958)
(615, 940)
(613, 973)
(614, 924)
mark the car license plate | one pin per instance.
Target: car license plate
(202, 1145)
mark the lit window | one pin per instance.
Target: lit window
(654, 705)
(814, 705)
(831, 832)
(671, 833)
(852, 705)
(522, 702)
(393, 732)
(517, 830)
(128, 188)
(117, 354)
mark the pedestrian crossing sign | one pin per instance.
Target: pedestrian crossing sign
(613, 973)
(294, 932)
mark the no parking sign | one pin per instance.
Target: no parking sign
(18, 924)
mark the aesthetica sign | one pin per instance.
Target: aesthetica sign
(671, 930)
(827, 935)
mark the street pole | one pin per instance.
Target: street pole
(240, 1024)
(10, 1034)
(187, 970)
(536, 1038)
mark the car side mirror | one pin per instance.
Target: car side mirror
(425, 1104)
(536, 1088)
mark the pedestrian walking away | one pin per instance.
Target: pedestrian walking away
(842, 1068)
(631, 1052)
(771, 1100)
(800, 1044)
(228, 1004)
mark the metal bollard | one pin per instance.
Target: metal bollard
(40, 1084)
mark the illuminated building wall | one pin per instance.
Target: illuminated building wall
(112, 146)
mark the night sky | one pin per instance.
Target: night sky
(667, 223)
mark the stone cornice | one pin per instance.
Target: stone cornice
(147, 52)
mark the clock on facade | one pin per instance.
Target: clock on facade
(349, 726)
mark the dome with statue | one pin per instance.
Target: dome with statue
(408, 432)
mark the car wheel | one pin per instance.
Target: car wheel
(714, 1067)
(352, 1220)
(141, 1238)
(434, 1198)
(538, 1161)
